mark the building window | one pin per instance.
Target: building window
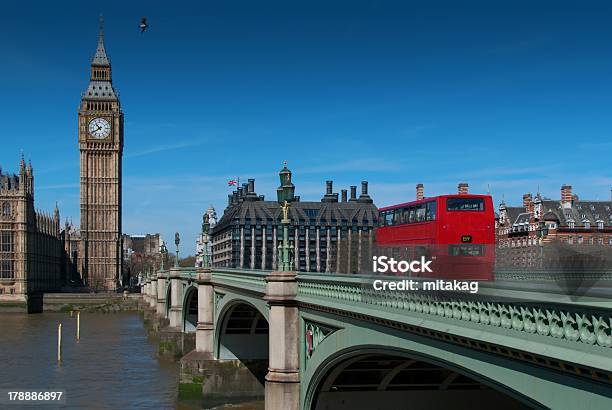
(572, 224)
(580, 239)
(6, 269)
(570, 240)
(587, 225)
(600, 225)
(6, 210)
(7, 243)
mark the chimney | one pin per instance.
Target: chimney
(364, 197)
(420, 192)
(344, 192)
(250, 191)
(329, 195)
(229, 200)
(566, 196)
(462, 188)
(251, 186)
(353, 193)
(528, 203)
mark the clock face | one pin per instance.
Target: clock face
(99, 128)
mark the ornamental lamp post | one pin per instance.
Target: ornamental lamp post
(163, 251)
(205, 230)
(177, 241)
(285, 194)
(286, 248)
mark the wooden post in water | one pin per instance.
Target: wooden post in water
(78, 325)
(59, 343)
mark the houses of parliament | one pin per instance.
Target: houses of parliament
(37, 253)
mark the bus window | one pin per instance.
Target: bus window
(405, 215)
(420, 213)
(412, 215)
(431, 211)
(396, 217)
(465, 204)
(389, 218)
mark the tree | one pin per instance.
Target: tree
(187, 262)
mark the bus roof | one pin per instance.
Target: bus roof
(432, 198)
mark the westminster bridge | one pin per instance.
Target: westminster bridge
(323, 341)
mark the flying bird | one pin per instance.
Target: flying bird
(143, 25)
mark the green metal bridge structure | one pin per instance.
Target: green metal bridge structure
(328, 341)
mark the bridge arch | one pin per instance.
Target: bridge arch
(190, 308)
(241, 343)
(375, 376)
(242, 331)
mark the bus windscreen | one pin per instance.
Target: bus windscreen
(465, 204)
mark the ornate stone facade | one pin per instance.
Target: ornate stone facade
(141, 257)
(548, 233)
(31, 246)
(328, 236)
(100, 137)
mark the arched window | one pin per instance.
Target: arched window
(6, 210)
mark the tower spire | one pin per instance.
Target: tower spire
(100, 58)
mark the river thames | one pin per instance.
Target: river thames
(113, 366)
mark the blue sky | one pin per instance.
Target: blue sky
(513, 95)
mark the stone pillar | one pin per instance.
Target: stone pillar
(370, 243)
(296, 247)
(349, 243)
(153, 301)
(241, 247)
(176, 308)
(205, 329)
(359, 256)
(307, 248)
(161, 295)
(283, 378)
(328, 251)
(143, 292)
(148, 292)
(264, 242)
(338, 240)
(253, 241)
(274, 248)
(318, 249)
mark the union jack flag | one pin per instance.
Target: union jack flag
(232, 182)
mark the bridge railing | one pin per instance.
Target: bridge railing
(575, 322)
(252, 280)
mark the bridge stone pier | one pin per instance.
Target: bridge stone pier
(328, 341)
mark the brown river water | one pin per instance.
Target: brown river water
(113, 366)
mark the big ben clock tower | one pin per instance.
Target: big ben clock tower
(101, 147)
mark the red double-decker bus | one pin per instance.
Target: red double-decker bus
(457, 232)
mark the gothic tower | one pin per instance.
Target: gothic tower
(101, 148)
